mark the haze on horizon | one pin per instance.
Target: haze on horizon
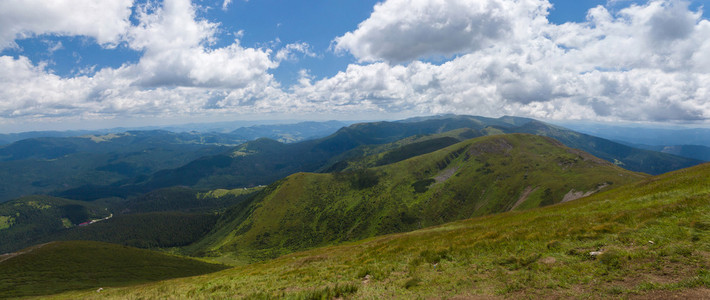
(87, 64)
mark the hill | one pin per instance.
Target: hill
(264, 161)
(477, 177)
(649, 239)
(63, 266)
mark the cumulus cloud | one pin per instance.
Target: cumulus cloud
(177, 53)
(644, 62)
(105, 21)
(289, 51)
(178, 73)
(403, 30)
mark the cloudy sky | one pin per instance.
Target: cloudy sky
(96, 63)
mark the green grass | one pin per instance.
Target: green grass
(654, 236)
(477, 177)
(63, 266)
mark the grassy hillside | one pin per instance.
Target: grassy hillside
(649, 239)
(62, 266)
(477, 177)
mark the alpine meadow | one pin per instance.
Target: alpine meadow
(354, 149)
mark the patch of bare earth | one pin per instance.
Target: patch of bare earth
(574, 195)
(445, 174)
(524, 196)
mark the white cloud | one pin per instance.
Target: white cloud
(225, 4)
(105, 21)
(177, 53)
(179, 73)
(403, 30)
(644, 62)
(289, 51)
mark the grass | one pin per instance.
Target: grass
(653, 235)
(62, 266)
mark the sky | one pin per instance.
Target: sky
(87, 64)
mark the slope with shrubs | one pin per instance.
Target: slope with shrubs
(649, 239)
(477, 177)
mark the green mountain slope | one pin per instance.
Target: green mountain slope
(62, 266)
(477, 177)
(649, 239)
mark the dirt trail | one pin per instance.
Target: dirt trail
(524, 196)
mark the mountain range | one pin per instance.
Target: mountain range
(263, 161)
(452, 206)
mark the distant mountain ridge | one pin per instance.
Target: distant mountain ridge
(263, 161)
(653, 136)
(42, 165)
(698, 152)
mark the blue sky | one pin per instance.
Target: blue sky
(92, 63)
